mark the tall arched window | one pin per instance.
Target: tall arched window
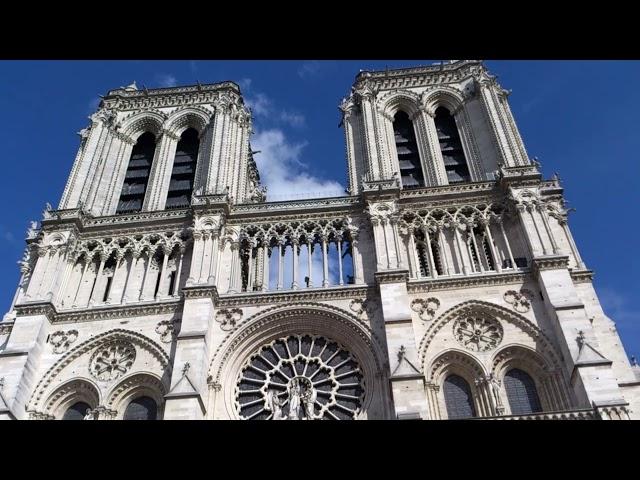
(521, 392)
(455, 162)
(142, 408)
(137, 176)
(458, 398)
(184, 170)
(77, 411)
(407, 148)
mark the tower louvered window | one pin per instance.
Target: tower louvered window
(137, 176)
(184, 170)
(458, 398)
(521, 392)
(407, 148)
(142, 408)
(455, 162)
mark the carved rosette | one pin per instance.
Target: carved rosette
(363, 307)
(425, 307)
(520, 301)
(478, 334)
(228, 318)
(61, 340)
(113, 360)
(300, 377)
(167, 330)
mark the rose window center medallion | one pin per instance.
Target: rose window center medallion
(300, 377)
(112, 361)
(478, 334)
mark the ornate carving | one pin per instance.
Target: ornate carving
(478, 333)
(364, 307)
(425, 307)
(61, 340)
(520, 301)
(228, 318)
(167, 329)
(112, 360)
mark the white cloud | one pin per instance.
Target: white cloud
(308, 69)
(245, 83)
(259, 104)
(293, 119)
(284, 173)
(166, 80)
(264, 108)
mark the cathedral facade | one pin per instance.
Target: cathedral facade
(444, 284)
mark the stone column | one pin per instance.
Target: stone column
(135, 255)
(95, 295)
(160, 175)
(339, 243)
(295, 246)
(325, 263)
(309, 263)
(235, 280)
(150, 254)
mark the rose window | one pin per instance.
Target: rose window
(300, 377)
(112, 361)
(478, 334)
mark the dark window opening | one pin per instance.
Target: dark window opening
(155, 292)
(407, 148)
(107, 289)
(172, 282)
(458, 398)
(521, 392)
(77, 411)
(455, 162)
(137, 176)
(184, 170)
(142, 408)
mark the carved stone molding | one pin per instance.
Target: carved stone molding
(478, 333)
(425, 307)
(112, 360)
(520, 301)
(61, 340)
(364, 307)
(293, 296)
(167, 329)
(392, 276)
(477, 280)
(228, 318)
(554, 262)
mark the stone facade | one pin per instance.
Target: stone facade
(361, 306)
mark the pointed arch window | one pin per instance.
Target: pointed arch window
(77, 411)
(407, 148)
(137, 176)
(521, 393)
(142, 408)
(184, 170)
(458, 398)
(455, 162)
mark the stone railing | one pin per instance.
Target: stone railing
(600, 413)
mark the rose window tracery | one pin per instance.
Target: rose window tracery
(478, 334)
(300, 377)
(112, 361)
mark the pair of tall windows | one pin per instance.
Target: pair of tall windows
(141, 408)
(449, 142)
(139, 168)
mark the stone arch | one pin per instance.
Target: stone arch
(134, 386)
(544, 346)
(86, 348)
(443, 96)
(70, 392)
(308, 318)
(147, 121)
(187, 117)
(404, 100)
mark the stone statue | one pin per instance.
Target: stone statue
(33, 229)
(294, 399)
(494, 384)
(89, 415)
(309, 400)
(274, 405)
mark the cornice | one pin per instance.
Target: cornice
(293, 206)
(550, 262)
(452, 283)
(97, 312)
(581, 276)
(391, 276)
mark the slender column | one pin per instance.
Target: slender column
(234, 286)
(309, 263)
(176, 286)
(213, 258)
(376, 239)
(135, 255)
(146, 275)
(265, 268)
(325, 263)
(492, 247)
(250, 268)
(163, 273)
(475, 245)
(196, 255)
(443, 257)
(84, 271)
(341, 281)
(396, 242)
(386, 243)
(572, 244)
(103, 259)
(414, 270)
(506, 242)
(296, 256)
(463, 263)
(525, 231)
(42, 274)
(205, 262)
(280, 265)
(59, 254)
(545, 221)
(432, 265)
(355, 256)
(69, 264)
(119, 259)
(535, 225)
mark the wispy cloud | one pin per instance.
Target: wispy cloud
(245, 83)
(309, 69)
(265, 108)
(7, 236)
(166, 80)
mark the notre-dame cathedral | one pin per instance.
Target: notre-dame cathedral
(445, 283)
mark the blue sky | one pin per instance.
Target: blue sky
(578, 117)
